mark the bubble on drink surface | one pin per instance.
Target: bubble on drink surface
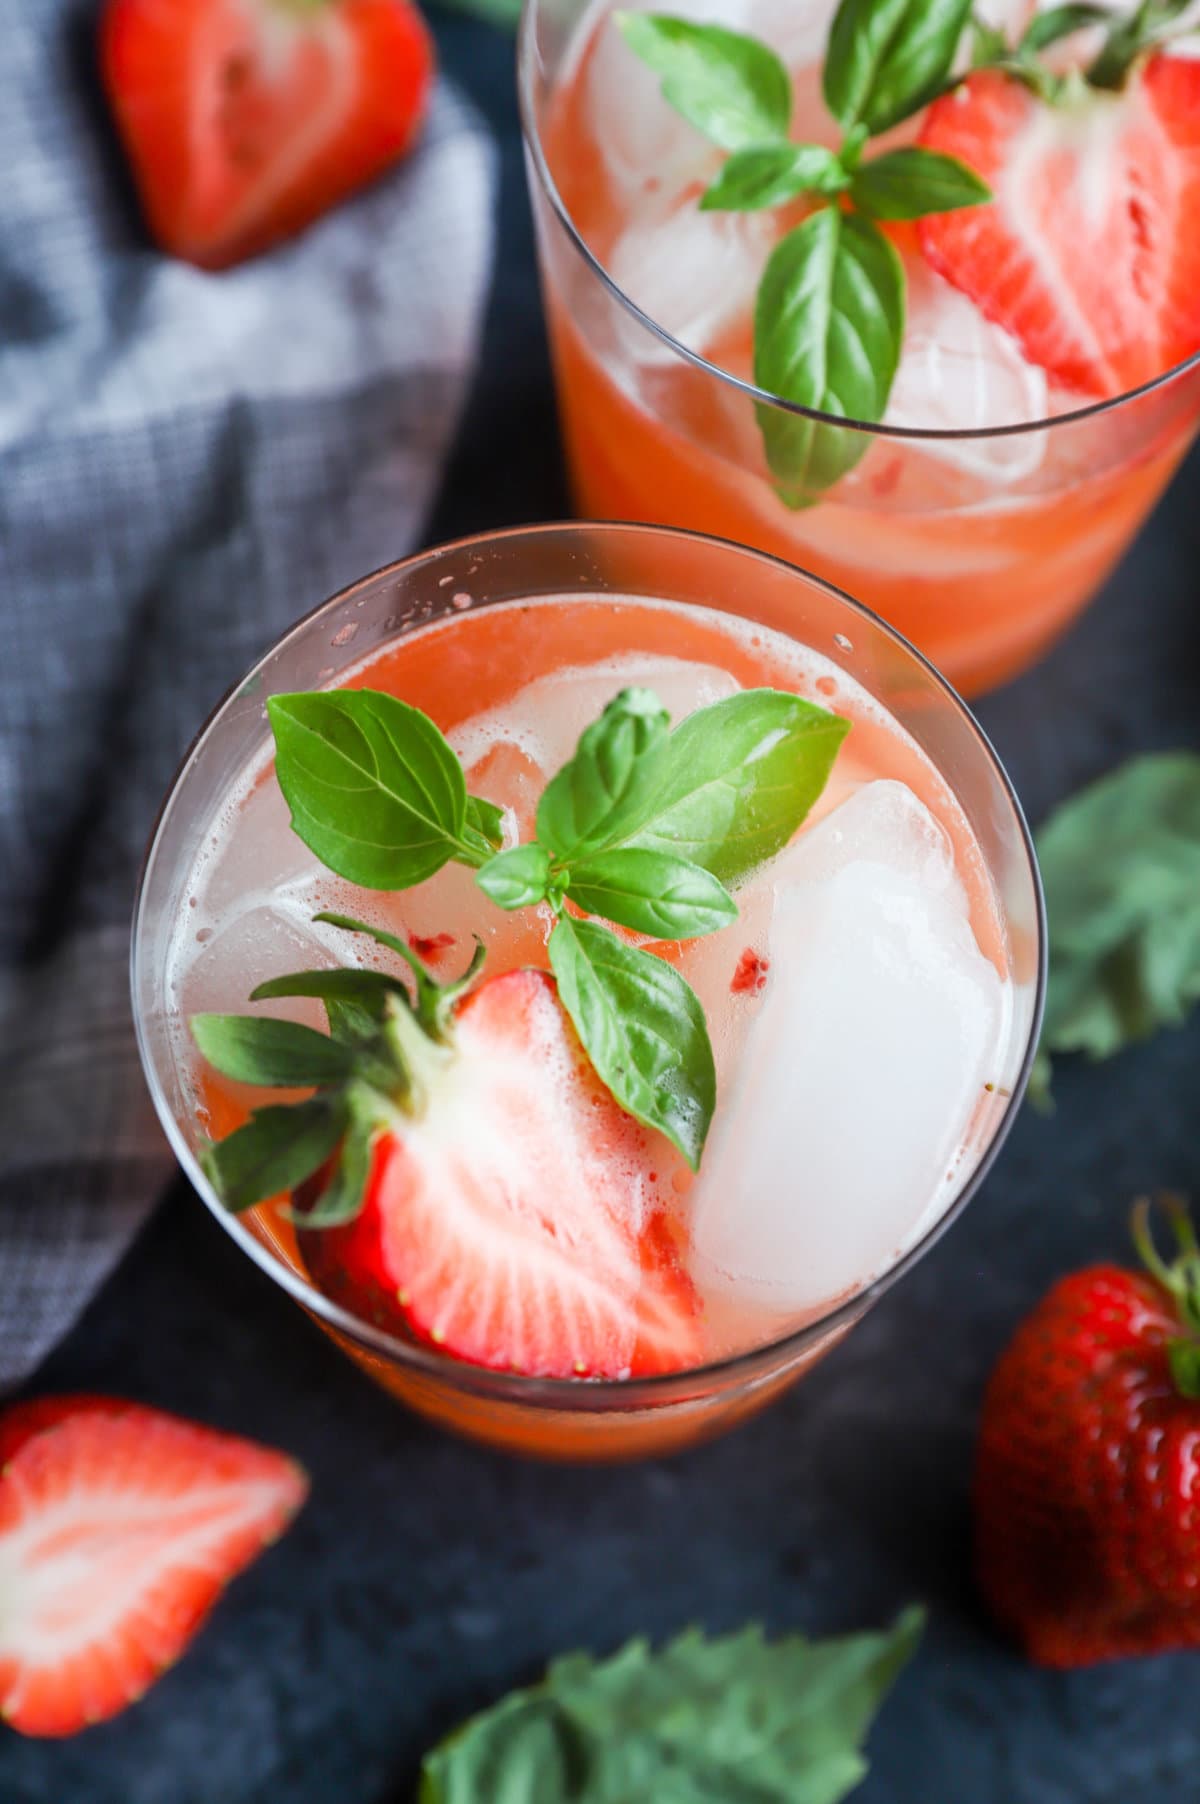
(857, 1082)
(960, 373)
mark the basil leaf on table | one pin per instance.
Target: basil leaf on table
(732, 88)
(375, 790)
(260, 1049)
(652, 892)
(829, 321)
(738, 778)
(911, 182)
(734, 1719)
(886, 59)
(767, 174)
(277, 1149)
(592, 801)
(1120, 863)
(643, 1028)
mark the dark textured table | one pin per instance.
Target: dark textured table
(426, 1576)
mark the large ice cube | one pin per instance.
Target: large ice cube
(545, 718)
(959, 372)
(644, 142)
(695, 274)
(880, 1023)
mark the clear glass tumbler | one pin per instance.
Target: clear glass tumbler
(560, 1417)
(980, 546)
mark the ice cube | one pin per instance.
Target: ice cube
(959, 372)
(838, 1140)
(796, 29)
(646, 145)
(543, 720)
(695, 274)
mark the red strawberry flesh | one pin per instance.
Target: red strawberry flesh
(119, 1528)
(515, 1221)
(1089, 252)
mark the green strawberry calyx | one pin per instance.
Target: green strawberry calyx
(1180, 1279)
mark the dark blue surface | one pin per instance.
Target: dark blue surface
(426, 1577)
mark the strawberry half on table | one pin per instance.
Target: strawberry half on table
(1089, 251)
(484, 1193)
(244, 120)
(1087, 1484)
(120, 1526)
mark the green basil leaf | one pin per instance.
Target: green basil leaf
(732, 88)
(767, 174)
(652, 892)
(739, 778)
(909, 183)
(276, 1150)
(485, 820)
(258, 1049)
(643, 1029)
(736, 1718)
(375, 790)
(1120, 863)
(592, 801)
(518, 878)
(1058, 22)
(828, 326)
(887, 59)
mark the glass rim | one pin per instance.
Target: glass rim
(526, 62)
(574, 1394)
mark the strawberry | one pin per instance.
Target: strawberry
(1088, 253)
(511, 1219)
(246, 119)
(119, 1528)
(1087, 1483)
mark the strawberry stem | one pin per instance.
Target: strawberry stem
(1181, 1281)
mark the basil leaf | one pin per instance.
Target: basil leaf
(374, 789)
(594, 798)
(485, 820)
(767, 174)
(1129, 35)
(1121, 867)
(652, 892)
(735, 1718)
(887, 58)
(909, 183)
(828, 325)
(1058, 22)
(367, 989)
(739, 778)
(258, 1049)
(518, 878)
(732, 88)
(642, 1027)
(276, 1150)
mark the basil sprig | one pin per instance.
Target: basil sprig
(643, 827)
(829, 317)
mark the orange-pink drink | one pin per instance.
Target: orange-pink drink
(980, 547)
(867, 1009)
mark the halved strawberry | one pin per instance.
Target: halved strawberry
(119, 1528)
(1089, 253)
(245, 119)
(514, 1219)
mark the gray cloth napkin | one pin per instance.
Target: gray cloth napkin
(187, 463)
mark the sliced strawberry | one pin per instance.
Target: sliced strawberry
(514, 1220)
(245, 119)
(119, 1528)
(1089, 253)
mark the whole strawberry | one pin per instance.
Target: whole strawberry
(1087, 1484)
